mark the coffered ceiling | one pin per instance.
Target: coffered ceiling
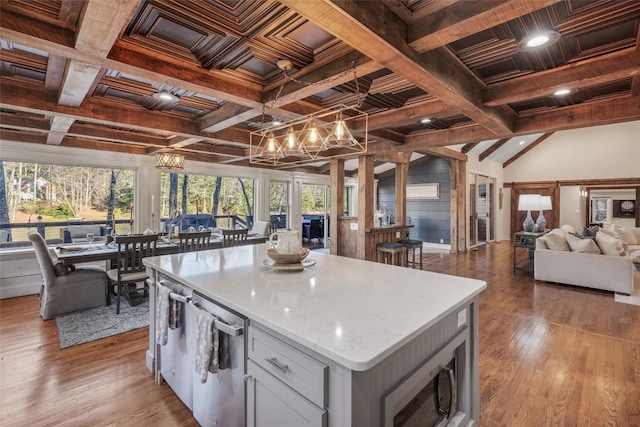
(84, 74)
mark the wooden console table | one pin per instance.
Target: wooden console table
(526, 240)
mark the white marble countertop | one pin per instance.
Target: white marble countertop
(352, 311)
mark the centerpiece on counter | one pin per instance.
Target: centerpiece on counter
(286, 252)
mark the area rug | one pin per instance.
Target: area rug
(634, 298)
(101, 322)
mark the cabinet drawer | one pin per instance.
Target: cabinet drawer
(299, 371)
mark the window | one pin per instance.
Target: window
(279, 204)
(50, 197)
(206, 201)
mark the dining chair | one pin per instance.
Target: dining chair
(64, 291)
(261, 228)
(129, 270)
(195, 241)
(234, 237)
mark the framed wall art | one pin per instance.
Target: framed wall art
(601, 208)
(423, 191)
(624, 208)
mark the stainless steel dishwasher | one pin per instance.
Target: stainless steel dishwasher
(178, 355)
(220, 401)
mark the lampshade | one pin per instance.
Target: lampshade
(545, 203)
(169, 160)
(529, 202)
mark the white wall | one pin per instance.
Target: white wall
(609, 151)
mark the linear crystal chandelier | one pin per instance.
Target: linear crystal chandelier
(323, 135)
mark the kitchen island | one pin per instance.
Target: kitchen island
(340, 343)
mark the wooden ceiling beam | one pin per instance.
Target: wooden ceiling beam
(326, 77)
(114, 114)
(606, 111)
(20, 122)
(139, 64)
(228, 115)
(20, 136)
(365, 27)
(403, 115)
(527, 149)
(465, 18)
(93, 131)
(468, 147)
(92, 144)
(444, 152)
(486, 153)
(59, 127)
(409, 16)
(591, 72)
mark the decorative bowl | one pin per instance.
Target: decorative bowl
(287, 258)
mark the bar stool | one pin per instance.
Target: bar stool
(395, 253)
(411, 245)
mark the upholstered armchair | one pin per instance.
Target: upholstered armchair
(65, 291)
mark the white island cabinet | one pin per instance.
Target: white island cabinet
(345, 342)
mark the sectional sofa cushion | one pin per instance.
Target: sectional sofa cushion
(626, 234)
(583, 246)
(610, 245)
(556, 242)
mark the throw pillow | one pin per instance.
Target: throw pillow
(607, 231)
(635, 257)
(610, 245)
(583, 246)
(557, 231)
(636, 232)
(556, 242)
(624, 233)
(568, 229)
(590, 231)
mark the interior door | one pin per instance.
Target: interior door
(481, 196)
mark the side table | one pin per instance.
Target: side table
(526, 240)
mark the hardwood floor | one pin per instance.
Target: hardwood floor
(549, 355)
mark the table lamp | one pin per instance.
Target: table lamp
(545, 205)
(528, 202)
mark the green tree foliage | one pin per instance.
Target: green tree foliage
(64, 191)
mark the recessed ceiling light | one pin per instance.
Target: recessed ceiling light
(425, 120)
(165, 96)
(539, 40)
(276, 123)
(563, 92)
(522, 142)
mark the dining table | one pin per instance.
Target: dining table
(70, 254)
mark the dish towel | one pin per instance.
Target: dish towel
(224, 358)
(206, 345)
(162, 315)
(175, 310)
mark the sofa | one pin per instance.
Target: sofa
(78, 233)
(602, 261)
